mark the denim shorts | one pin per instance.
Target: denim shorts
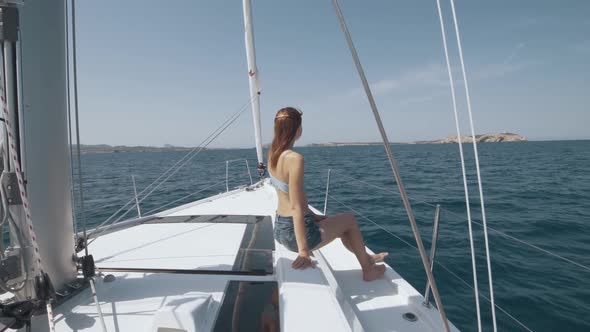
(285, 232)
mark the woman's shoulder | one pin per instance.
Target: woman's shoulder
(292, 156)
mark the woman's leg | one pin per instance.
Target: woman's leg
(345, 226)
(347, 242)
(375, 257)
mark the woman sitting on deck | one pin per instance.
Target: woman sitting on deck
(296, 226)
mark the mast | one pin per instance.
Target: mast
(47, 171)
(254, 85)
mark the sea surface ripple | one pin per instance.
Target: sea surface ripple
(538, 192)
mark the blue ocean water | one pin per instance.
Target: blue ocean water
(538, 192)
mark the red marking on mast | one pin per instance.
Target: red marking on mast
(251, 73)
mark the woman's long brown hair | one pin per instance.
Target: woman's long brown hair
(287, 122)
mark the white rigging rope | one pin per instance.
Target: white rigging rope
(479, 182)
(463, 171)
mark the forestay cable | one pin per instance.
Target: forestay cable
(463, 172)
(398, 180)
(479, 183)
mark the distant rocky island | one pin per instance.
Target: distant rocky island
(483, 138)
(104, 148)
(344, 144)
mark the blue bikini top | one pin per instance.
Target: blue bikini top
(280, 185)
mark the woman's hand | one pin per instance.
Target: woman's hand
(303, 261)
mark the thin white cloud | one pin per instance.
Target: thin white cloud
(498, 70)
(384, 86)
(423, 84)
(431, 75)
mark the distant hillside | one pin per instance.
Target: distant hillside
(344, 144)
(483, 138)
(104, 148)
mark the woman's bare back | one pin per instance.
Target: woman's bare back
(281, 172)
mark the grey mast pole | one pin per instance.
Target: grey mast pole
(398, 179)
(42, 31)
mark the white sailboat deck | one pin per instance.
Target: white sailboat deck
(332, 297)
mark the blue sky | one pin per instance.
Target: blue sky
(169, 72)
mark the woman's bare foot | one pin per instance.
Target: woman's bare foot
(374, 272)
(376, 258)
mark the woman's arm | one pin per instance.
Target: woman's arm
(299, 207)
